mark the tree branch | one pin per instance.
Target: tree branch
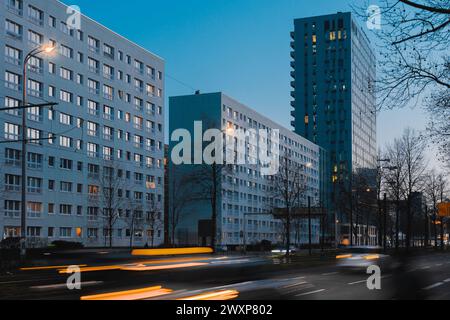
(424, 7)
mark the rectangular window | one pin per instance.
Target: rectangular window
(12, 81)
(66, 96)
(35, 15)
(13, 30)
(65, 232)
(66, 74)
(13, 55)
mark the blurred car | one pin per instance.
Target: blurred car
(281, 250)
(356, 258)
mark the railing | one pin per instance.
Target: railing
(14, 10)
(14, 61)
(14, 35)
(12, 187)
(12, 86)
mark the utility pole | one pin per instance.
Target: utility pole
(309, 225)
(23, 216)
(385, 223)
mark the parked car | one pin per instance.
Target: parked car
(282, 250)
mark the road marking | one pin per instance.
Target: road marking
(309, 293)
(425, 268)
(352, 283)
(447, 280)
(330, 273)
(439, 265)
(433, 286)
(295, 284)
(64, 285)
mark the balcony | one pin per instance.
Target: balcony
(14, 35)
(94, 49)
(139, 89)
(93, 90)
(33, 189)
(292, 54)
(13, 61)
(35, 93)
(108, 116)
(12, 214)
(12, 187)
(94, 69)
(12, 85)
(108, 76)
(36, 21)
(93, 176)
(13, 162)
(92, 154)
(108, 55)
(108, 96)
(15, 10)
(35, 165)
(108, 137)
(293, 64)
(36, 69)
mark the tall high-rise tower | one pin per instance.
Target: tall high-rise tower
(333, 90)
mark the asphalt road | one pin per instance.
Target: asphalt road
(234, 277)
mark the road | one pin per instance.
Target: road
(229, 277)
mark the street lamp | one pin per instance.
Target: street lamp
(47, 49)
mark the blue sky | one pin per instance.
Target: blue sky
(240, 47)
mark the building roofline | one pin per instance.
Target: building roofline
(115, 33)
(324, 15)
(273, 123)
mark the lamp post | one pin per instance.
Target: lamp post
(47, 50)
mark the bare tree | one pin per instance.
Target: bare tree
(110, 197)
(180, 195)
(133, 218)
(414, 60)
(413, 151)
(432, 192)
(414, 41)
(153, 219)
(287, 191)
(395, 179)
(207, 180)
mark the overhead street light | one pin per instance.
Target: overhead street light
(47, 49)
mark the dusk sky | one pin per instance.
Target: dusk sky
(240, 47)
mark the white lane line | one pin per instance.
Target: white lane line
(352, 283)
(330, 273)
(309, 293)
(439, 265)
(433, 286)
(64, 285)
(447, 280)
(425, 268)
(295, 284)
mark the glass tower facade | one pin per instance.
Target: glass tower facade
(333, 95)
